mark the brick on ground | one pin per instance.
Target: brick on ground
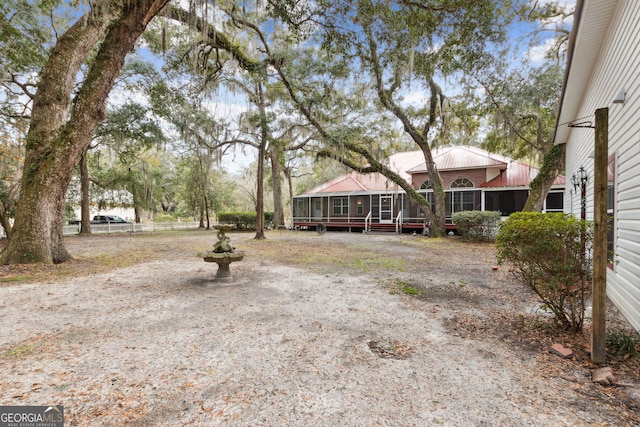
(603, 376)
(561, 351)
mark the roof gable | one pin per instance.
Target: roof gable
(462, 157)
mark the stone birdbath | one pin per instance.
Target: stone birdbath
(222, 254)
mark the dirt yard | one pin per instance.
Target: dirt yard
(314, 330)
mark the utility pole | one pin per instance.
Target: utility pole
(599, 279)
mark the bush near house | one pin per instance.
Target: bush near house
(244, 220)
(480, 226)
(547, 254)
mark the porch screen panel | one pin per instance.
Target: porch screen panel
(430, 198)
(301, 208)
(464, 201)
(505, 202)
(375, 206)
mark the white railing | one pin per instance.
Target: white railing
(367, 219)
(399, 223)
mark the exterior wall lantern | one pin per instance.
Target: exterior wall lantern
(580, 179)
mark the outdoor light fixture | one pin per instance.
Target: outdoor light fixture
(575, 181)
(620, 98)
(579, 180)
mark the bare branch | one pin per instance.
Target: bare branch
(24, 86)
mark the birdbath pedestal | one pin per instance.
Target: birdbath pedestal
(223, 260)
(223, 254)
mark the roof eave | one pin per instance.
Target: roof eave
(590, 26)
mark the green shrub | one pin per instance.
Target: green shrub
(622, 343)
(477, 225)
(547, 254)
(244, 220)
(241, 220)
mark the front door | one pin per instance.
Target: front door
(317, 209)
(386, 209)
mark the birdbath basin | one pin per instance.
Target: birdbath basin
(223, 254)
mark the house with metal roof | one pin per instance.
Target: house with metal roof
(603, 72)
(473, 179)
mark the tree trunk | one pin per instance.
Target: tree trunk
(440, 215)
(552, 165)
(276, 184)
(201, 220)
(206, 210)
(62, 127)
(39, 218)
(135, 194)
(264, 136)
(85, 215)
(260, 195)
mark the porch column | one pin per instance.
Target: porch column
(328, 208)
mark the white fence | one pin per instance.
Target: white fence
(69, 230)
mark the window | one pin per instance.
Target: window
(462, 183)
(555, 202)
(340, 205)
(359, 207)
(427, 185)
(463, 201)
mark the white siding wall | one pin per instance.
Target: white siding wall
(618, 67)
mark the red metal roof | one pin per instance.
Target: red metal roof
(512, 173)
(354, 181)
(517, 174)
(462, 157)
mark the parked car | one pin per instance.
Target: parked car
(108, 219)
